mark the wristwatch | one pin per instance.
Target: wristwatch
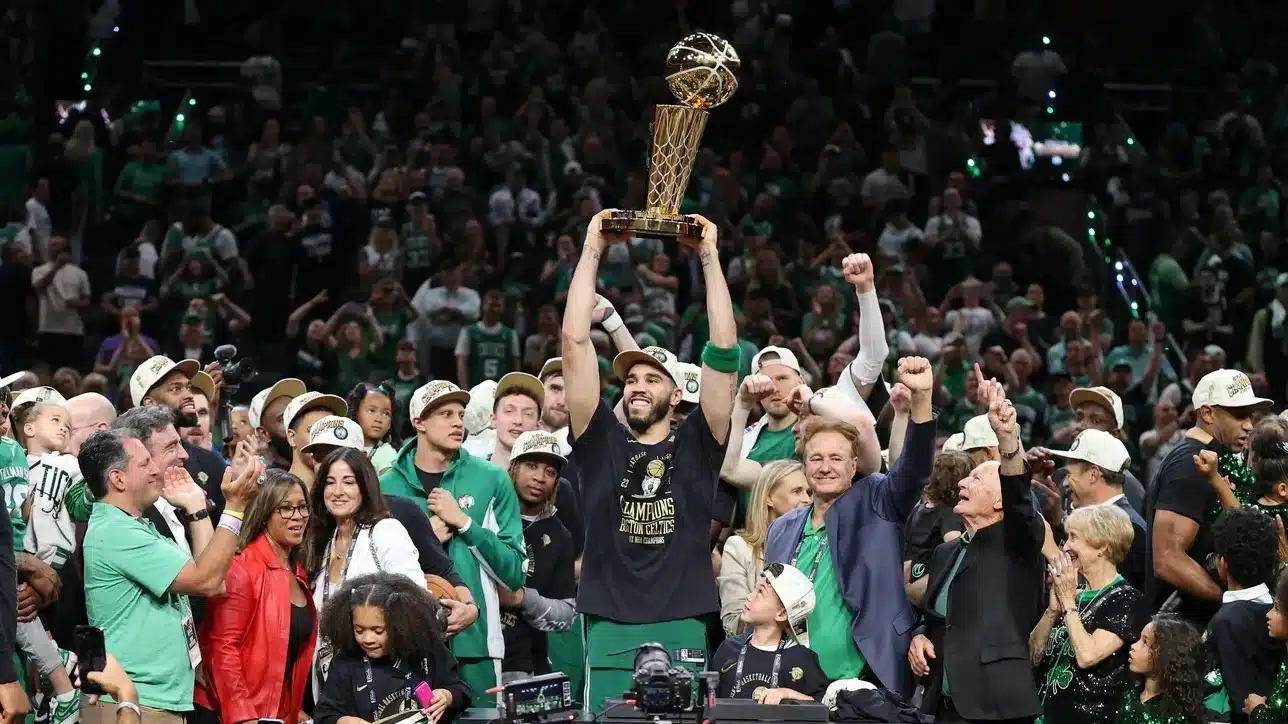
(202, 514)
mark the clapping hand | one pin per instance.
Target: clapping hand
(180, 490)
(1064, 581)
(240, 489)
(858, 271)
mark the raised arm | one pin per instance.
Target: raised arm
(581, 368)
(1023, 530)
(900, 489)
(873, 347)
(718, 385)
(736, 468)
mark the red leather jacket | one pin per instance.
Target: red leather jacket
(244, 640)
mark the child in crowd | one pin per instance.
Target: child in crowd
(1271, 707)
(1246, 547)
(389, 649)
(372, 407)
(55, 501)
(406, 380)
(1268, 448)
(773, 664)
(1169, 656)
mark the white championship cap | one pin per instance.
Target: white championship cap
(478, 411)
(655, 356)
(691, 385)
(289, 387)
(148, 374)
(1227, 388)
(1099, 448)
(796, 593)
(953, 443)
(313, 401)
(336, 431)
(433, 394)
(538, 444)
(978, 433)
(1102, 396)
(39, 395)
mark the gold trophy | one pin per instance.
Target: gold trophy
(700, 72)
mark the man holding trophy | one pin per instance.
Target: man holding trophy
(646, 573)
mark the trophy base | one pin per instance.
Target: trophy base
(652, 225)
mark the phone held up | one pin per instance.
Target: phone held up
(91, 653)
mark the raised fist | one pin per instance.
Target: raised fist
(798, 401)
(755, 388)
(915, 374)
(858, 271)
(1157, 331)
(900, 397)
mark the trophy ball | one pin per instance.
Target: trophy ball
(701, 70)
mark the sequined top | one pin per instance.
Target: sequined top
(1233, 468)
(1159, 710)
(1074, 695)
(1275, 710)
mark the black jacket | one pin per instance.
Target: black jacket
(993, 604)
(207, 469)
(347, 692)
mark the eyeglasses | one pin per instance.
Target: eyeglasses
(293, 511)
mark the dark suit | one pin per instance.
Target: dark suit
(993, 604)
(207, 469)
(865, 537)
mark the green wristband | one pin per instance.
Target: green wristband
(722, 359)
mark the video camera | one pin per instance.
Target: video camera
(235, 372)
(661, 687)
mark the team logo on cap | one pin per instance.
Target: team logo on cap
(340, 432)
(1238, 384)
(658, 354)
(542, 443)
(691, 382)
(159, 364)
(1074, 446)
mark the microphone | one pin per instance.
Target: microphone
(225, 352)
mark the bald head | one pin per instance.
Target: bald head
(90, 413)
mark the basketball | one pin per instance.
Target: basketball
(440, 588)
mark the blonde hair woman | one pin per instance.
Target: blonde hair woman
(780, 488)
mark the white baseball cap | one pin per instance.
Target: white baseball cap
(692, 384)
(478, 411)
(953, 443)
(978, 433)
(1102, 396)
(148, 374)
(312, 401)
(655, 356)
(289, 387)
(553, 366)
(1099, 448)
(433, 394)
(336, 431)
(796, 594)
(781, 356)
(1227, 388)
(38, 395)
(538, 444)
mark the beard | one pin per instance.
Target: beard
(555, 419)
(281, 448)
(640, 423)
(184, 419)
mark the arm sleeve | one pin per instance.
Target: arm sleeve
(733, 582)
(433, 559)
(873, 347)
(501, 551)
(8, 603)
(337, 697)
(396, 553)
(223, 629)
(447, 675)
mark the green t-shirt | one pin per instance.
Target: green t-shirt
(491, 353)
(14, 483)
(146, 180)
(954, 379)
(349, 371)
(770, 445)
(830, 622)
(393, 327)
(129, 568)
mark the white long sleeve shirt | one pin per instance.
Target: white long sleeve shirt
(436, 333)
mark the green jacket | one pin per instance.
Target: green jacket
(490, 550)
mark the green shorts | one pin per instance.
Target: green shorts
(567, 650)
(611, 646)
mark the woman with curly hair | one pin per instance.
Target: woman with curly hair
(1273, 709)
(390, 654)
(932, 522)
(1170, 657)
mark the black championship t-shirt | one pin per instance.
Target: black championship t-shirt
(798, 670)
(549, 566)
(648, 518)
(1180, 488)
(924, 532)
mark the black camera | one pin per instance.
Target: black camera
(235, 372)
(660, 687)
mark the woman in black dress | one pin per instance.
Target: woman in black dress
(1081, 644)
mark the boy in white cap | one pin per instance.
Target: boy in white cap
(301, 412)
(516, 409)
(546, 603)
(772, 663)
(1183, 506)
(475, 513)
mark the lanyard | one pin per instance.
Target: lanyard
(371, 690)
(773, 676)
(348, 558)
(818, 556)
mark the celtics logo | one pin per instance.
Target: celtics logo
(691, 383)
(653, 473)
(340, 432)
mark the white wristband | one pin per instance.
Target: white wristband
(612, 322)
(131, 706)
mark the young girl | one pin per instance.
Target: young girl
(1272, 708)
(54, 501)
(372, 407)
(1169, 655)
(388, 649)
(1266, 486)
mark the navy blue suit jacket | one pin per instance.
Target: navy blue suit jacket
(865, 539)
